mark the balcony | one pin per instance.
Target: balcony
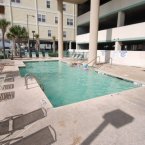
(75, 1)
(110, 8)
(125, 33)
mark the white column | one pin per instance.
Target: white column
(120, 22)
(117, 45)
(70, 45)
(60, 28)
(36, 8)
(121, 19)
(11, 13)
(94, 22)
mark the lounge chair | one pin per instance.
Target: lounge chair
(41, 137)
(77, 56)
(74, 55)
(13, 123)
(6, 96)
(1, 67)
(80, 57)
(4, 79)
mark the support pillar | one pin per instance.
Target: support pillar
(117, 45)
(120, 22)
(94, 22)
(36, 8)
(121, 19)
(60, 28)
(70, 45)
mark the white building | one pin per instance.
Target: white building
(41, 16)
(121, 27)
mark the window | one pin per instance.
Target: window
(56, 20)
(70, 22)
(64, 33)
(2, 10)
(48, 4)
(49, 33)
(15, 1)
(41, 18)
(64, 7)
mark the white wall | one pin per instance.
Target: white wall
(129, 58)
(130, 32)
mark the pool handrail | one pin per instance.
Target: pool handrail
(30, 75)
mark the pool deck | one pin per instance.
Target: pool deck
(116, 119)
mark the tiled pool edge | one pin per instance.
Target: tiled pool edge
(120, 77)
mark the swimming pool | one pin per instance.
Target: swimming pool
(66, 85)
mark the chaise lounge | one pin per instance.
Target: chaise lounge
(11, 124)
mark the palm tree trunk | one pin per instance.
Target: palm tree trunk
(53, 46)
(19, 48)
(14, 47)
(3, 34)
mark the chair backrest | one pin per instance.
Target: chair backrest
(41, 137)
(4, 127)
(81, 56)
(26, 119)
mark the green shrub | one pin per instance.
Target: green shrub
(1, 57)
(51, 54)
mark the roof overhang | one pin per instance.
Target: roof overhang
(75, 1)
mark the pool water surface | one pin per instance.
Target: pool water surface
(66, 85)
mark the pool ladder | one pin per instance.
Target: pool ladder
(31, 76)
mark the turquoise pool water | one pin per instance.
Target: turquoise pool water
(65, 85)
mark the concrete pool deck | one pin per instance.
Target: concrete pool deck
(116, 119)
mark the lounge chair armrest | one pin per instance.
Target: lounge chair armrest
(7, 142)
(55, 136)
(44, 111)
(11, 117)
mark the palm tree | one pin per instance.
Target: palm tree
(18, 34)
(37, 45)
(53, 38)
(3, 26)
(10, 36)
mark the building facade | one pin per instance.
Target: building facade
(121, 25)
(119, 28)
(41, 16)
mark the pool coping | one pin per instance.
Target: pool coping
(121, 77)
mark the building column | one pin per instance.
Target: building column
(36, 8)
(60, 28)
(118, 45)
(120, 22)
(11, 13)
(70, 46)
(94, 22)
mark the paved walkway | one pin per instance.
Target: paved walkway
(116, 119)
(127, 72)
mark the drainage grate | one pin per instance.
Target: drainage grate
(9, 80)
(9, 86)
(7, 96)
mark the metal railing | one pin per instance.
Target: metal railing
(94, 59)
(31, 76)
(110, 61)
